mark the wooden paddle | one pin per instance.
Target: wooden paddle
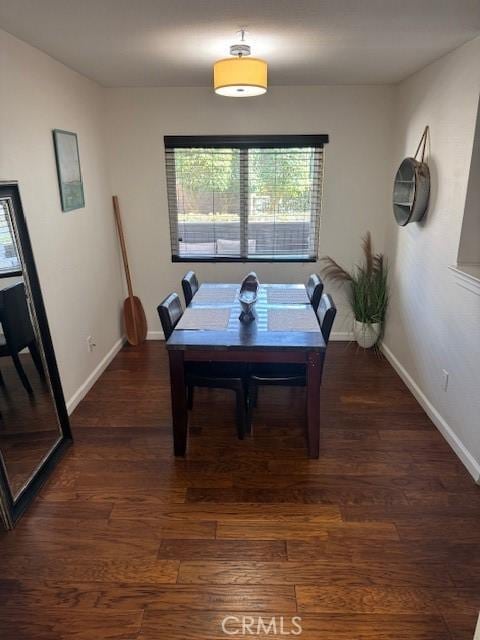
(133, 313)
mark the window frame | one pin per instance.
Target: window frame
(242, 142)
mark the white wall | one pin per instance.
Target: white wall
(357, 172)
(76, 253)
(434, 323)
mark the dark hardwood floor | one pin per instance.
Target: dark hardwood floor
(379, 539)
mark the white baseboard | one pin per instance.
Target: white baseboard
(472, 466)
(155, 335)
(82, 391)
(336, 335)
(342, 336)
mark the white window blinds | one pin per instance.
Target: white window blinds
(9, 260)
(244, 198)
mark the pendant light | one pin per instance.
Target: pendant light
(240, 76)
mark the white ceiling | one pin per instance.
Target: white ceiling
(306, 42)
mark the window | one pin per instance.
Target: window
(9, 260)
(244, 198)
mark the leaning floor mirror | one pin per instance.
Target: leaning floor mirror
(34, 427)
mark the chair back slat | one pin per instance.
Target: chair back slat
(17, 326)
(326, 315)
(190, 286)
(314, 290)
(170, 311)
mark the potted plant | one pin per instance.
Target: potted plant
(367, 292)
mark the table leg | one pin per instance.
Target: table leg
(314, 370)
(179, 401)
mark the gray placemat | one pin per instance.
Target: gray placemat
(207, 319)
(210, 295)
(292, 320)
(287, 296)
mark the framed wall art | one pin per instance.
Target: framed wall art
(68, 169)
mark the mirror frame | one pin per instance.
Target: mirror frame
(14, 508)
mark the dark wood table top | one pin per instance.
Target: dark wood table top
(251, 336)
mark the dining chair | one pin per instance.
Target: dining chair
(18, 332)
(190, 286)
(314, 290)
(213, 375)
(288, 374)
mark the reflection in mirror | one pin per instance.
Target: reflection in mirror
(29, 427)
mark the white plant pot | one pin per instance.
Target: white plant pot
(366, 334)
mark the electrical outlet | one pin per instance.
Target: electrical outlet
(444, 379)
(91, 344)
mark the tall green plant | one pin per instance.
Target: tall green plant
(367, 283)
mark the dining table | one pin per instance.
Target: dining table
(285, 330)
